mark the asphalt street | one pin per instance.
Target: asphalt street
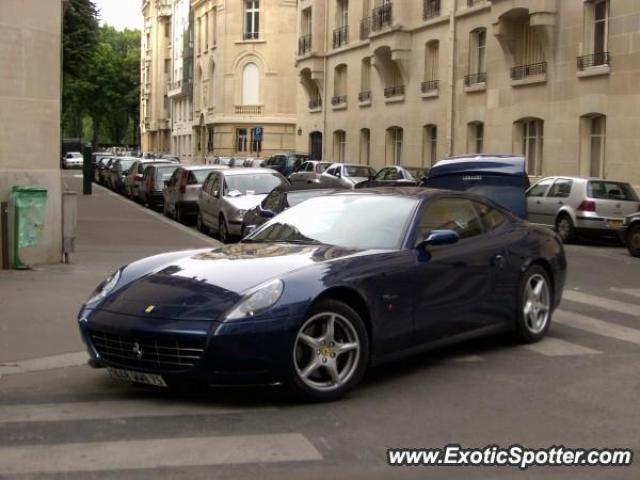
(60, 419)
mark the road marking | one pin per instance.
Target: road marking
(635, 292)
(108, 410)
(554, 347)
(601, 302)
(52, 362)
(162, 218)
(598, 327)
(157, 453)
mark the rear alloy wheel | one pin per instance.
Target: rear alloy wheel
(565, 228)
(633, 240)
(202, 228)
(534, 311)
(165, 210)
(330, 352)
(180, 216)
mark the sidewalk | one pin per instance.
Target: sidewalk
(38, 308)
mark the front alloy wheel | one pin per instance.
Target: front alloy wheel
(223, 231)
(633, 240)
(330, 352)
(565, 228)
(534, 316)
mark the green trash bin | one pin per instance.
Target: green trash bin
(29, 208)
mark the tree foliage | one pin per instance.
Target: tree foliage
(102, 82)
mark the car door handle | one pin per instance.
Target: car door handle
(537, 202)
(499, 261)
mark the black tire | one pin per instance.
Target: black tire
(565, 229)
(633, 240)
(359, 361)
(525, 331)
(165, 210)
(180, 214)
(202, 228)
(223, 231)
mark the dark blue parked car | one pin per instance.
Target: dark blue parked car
(327, 289)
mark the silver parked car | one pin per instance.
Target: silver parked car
(227, 194)
(572, 205)
(73, 160)
(309, 172)
(181, 190)
(346, 175)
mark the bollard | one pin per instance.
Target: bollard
(87, 169)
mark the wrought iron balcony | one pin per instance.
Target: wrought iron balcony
(395, 91)
(338, 99)
(304, 44)
(364, 96)
(429, 86)
(365, 28)
(341, 36)
(430, 9)
(594, 60)
(475, 78)
(382, 17)
(523, 71)
(315, 104)
(251, 35)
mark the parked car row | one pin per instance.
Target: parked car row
(229, 197)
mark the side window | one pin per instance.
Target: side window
(206, 186)
(174, 178)
(272, 202)
(490, 217)
(215, 184)
(455, 214)
(561, 188)
(331, 171)
(540, 188)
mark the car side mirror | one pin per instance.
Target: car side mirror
(338, 174)
(266, 213)
(439, 237)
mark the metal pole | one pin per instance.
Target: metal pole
(87, 169)
(4, 224)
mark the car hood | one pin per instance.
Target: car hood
(203, 284)
(244, 202)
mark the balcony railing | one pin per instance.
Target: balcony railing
(429, 86)
(523, 71)
(340, 36)
(248, 109)
(475, 78)
(382, 17)
(338, 100)
(594, 60)
(304, 44)
(430, 9)
(364, 96)
(251, 35)
(395, 91)
(365, 28)
(315, 104)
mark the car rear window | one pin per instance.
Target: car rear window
(164, 173)
(199, 176)
(611, 191)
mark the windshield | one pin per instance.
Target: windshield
(257, 183)
(612, 191)
(201, 175)
(416, 173)
(323, 166)
(294, 198)
(350, 221)
(353, 171)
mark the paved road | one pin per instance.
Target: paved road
(579, 387)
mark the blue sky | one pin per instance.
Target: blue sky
(120, 14)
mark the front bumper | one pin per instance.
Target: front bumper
(233, 353)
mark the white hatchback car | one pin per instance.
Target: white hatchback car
(73, 160)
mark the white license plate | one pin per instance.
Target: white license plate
(137, 377)
(614, 223)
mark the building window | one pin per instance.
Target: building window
(532, 132)
(431, 57)
(529, 57)
(256, 145)
(429, 145)
(431, 9)
(306, 25)
(475, 141)
(477, 57)
(341, 33)
(394, 145)
(596, 30)
(365, 146)
(210, 138)
(167, 65)
(212, 71)
(340, 85)
(365, 80)
(241, 139)
(339, 145)
(250, 84)
(214, 26)
(597, 135)
(252, 19)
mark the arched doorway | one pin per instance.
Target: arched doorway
(315, 145)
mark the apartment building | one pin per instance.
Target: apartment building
(244, 77)
(412, 81)
(156, 71)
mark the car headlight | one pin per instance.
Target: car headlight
(257, 301)
(106, 286)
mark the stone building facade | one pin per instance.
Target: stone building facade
(410, 82)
